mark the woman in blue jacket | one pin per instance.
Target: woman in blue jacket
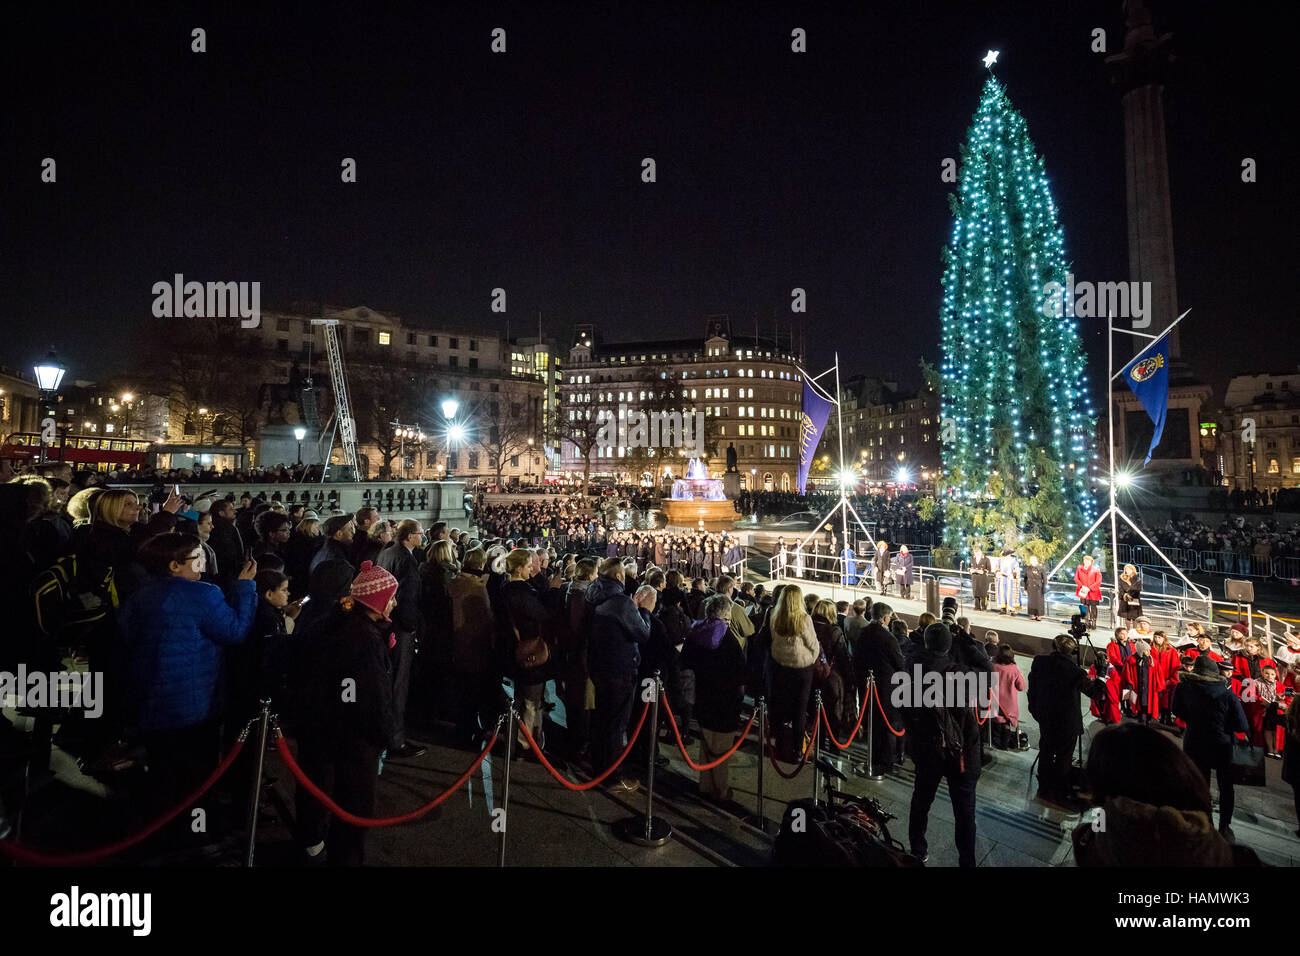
(173, 633)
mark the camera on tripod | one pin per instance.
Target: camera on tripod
(1078, 627)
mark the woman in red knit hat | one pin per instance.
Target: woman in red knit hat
(347, 715)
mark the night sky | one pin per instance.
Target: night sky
(522, 170)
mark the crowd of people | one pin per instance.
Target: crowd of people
(1262, 540)
(1215, 694)
(533, 520)
(1255, 499)
(197, 609)
(210, 474)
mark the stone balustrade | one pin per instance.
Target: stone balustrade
(425, 501)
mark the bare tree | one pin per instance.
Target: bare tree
(583, 434)
(382, 395)
(206, 376)
(506, 437)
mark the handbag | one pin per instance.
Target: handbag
(531, 652)
(1247, 765)
(821, 668)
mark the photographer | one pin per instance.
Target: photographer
(1055, 683)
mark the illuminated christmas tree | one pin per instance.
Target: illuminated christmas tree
(1017, 418)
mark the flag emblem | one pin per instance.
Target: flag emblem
(1147, 367)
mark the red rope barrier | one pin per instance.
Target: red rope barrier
(988, 712)
(771, 754)
(282, 746)
(88, 856)
(721, 760)
(590, 784)
(862, 713)
(875, 689)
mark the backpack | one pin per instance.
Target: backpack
(940, 727)
(69, 602)
(676, 623)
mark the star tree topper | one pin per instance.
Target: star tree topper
(990, 58)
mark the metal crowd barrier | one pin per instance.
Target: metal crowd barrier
(1228, 563)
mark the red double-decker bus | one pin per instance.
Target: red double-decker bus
(82, 451)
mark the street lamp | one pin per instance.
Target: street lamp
(455, 432)
(300, 433)
(49, 374)
(530, 461)
(128, 400)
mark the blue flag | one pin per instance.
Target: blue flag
(1148, 378)
(811, 423)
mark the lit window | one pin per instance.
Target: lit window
(384, 338)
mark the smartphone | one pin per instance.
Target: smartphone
(176, 490)
(304, 599)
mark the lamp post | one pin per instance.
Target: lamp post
(455, 432)
(300, 433)
(49, 374)
(126, 400)
(530, 461)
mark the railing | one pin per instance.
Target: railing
(1227, 563)
(1170, 609)
(425, 501)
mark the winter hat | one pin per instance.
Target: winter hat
(203, 505)
(331, 580)
(374, 587)
(938, 639)
(1206, 668)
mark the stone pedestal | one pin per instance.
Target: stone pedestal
(700, 515)
(731, 484)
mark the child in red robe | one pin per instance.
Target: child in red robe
(1142, 683)
(1108, 710)
(1168, 662)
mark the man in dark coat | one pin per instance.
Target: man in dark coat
(945, 745)
(877, 651)
(981, 571)
(338, 531)
(1055, 682)
(1213, 714)
(400, 561)
(619, 626)
(226, 541)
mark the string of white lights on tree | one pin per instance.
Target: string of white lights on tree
(1014, 382)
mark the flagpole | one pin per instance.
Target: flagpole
(1110, 418)
(1142, 351)
(844, 511)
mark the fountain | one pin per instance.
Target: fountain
(699, 501)
(697, 485)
